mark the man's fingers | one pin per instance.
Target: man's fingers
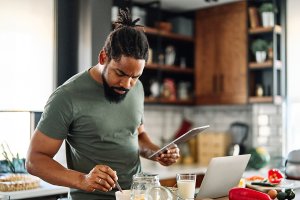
(173, 150)
(104, 184)
(103, 178)
(169, 157)
(107, 172)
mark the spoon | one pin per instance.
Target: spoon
(119, 187)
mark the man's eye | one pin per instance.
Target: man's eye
(120, 74)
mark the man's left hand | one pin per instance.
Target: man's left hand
(169, 157)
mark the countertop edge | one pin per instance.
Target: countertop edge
(45, 189)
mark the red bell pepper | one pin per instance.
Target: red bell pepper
(275, 176)
(247, 194)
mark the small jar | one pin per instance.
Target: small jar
(259, 90)
(141, 183)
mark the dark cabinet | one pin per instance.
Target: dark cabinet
(168, 77)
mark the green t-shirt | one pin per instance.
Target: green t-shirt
(96, 131)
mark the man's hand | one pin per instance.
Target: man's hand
(169, 157)
(101, 177)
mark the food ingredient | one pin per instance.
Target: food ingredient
(186, 188)
(275, 176)
(263, 184)
(255, 178)
(281, 195)
(247, 194)
(242, 183)
(259, 158)
(286, 194)
(272, 193)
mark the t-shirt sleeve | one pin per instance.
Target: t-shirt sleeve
(143, 99)
(57, 116)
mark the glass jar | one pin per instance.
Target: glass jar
(141, 183)
(158, 193)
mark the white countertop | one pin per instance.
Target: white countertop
(171, 171)
(46, 189)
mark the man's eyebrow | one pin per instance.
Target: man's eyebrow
(124, 74)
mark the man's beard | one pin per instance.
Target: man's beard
(111, 95)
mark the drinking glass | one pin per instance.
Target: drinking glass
(186, 184)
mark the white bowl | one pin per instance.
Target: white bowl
(125, 195)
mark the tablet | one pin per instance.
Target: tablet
(183, 138)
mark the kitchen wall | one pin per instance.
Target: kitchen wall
(292, 113)
(27, 49)
(264, 120)
(267, 128)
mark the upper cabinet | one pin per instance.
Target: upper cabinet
(220, 54)
(168, 77)
(266, 31)
(227, 54)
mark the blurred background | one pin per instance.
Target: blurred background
(222, 63)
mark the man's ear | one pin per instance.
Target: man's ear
(102, 58)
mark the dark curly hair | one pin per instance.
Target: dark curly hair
(126, 39)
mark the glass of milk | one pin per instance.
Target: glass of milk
(186, 184)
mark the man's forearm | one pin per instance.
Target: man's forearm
(53, 172)
(146, 145)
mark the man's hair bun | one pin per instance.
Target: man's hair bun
(125, 19)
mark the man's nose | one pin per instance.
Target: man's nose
(126, 82)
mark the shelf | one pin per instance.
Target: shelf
(265, 65)
(271, 74)
(171, 48)
(265, 99)
(170, 68)
(258, 30)
(168, 101)
(166, 34)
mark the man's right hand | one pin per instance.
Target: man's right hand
(101, 178)
(39, 160)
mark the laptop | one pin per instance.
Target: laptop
(223, 173)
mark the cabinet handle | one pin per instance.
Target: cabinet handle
(215, 83)
(221, 82)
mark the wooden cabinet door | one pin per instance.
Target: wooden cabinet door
(206, 68)
(221, 54)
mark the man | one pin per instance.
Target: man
(99, 113)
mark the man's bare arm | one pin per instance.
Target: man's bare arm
(40, 163)
(147, 148)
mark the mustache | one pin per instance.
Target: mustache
(120, 88)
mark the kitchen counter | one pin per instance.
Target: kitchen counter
(46, 189)
(171, 171)
(164, 173)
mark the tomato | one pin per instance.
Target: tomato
(275, 176)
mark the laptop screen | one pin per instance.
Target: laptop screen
(223, 173)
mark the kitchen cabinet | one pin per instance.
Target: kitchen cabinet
(267, 77)
(168, 77)
(161, 71)
(220, 55)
